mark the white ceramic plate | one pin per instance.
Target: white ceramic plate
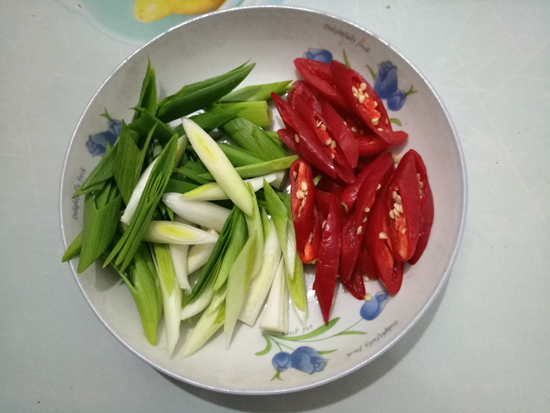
(272, 37)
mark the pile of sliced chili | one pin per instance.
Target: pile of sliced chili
(356, 215)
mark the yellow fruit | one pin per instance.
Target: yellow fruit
(151, 10)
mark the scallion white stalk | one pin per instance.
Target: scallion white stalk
(275, 316)
(209, 322)
(198, 255)
(171, 294)
(198, 305)
(167, 232)
(140, 186)
(214, 192)
(219, 166)
(205, 214)
(261, 284)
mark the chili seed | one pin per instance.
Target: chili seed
(368, 297)
(304, 186)
(297, 138)
(363, 86)
(359, 230)
(382, 235)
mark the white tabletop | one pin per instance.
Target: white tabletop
(482, 347)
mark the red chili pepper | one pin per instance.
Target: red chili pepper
(366, 264)
(341, 134)
(356, 285)
(427, 213)
(287, 136)
(302, 199)
(352, 237)
(329, 257)
(304, 90)
(363, 100)
(404, 209)
(327, 184)
(374, 171)
(311, 249)
(319, 76)
(317, 124)
(328, 123)
(388, 269)
(306, 144)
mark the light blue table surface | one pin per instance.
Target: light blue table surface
(483, 346)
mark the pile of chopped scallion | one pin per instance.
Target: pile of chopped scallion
(195, 226)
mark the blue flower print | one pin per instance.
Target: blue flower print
(385, 84)
(307, 360)
(372, 308)
(97, 143)
(321, 55)
(281, 361)
(397, 100)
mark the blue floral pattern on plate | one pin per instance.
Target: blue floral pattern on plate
(307, 359)
(320, 55)
(97, 143)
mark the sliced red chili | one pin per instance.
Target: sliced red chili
(356, 285)
(319, 76)
(404, 209)
(374, 171)
(352, 237)
(366, 264)
(341, 134)
(302, 199)
(313, 243)
(363, 100)
(329, 259)
(427, 211)
(317, 124)
(388, 269)
(306, 144)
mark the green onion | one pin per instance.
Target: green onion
(100, 174)
(171, 294)
(198, 255)
(298, 291)
(210, 321)
(257, 92)
(237, 284)
(100, 221)
(255, 228)
(261, 284)
(275, 317)
(259, 169)
(126, 247)
(213, 191)
(235, 243)
(205, 214)
(201, 95)
(129, 161)
(73, 250)
(179, 253)
(252, 138)
(212, 266)
(141, 283)
(238, 156)
(219, 166)
(135, 199)
(197, 306)
(279, 215)
(257, 112)
(148, 94)
(167, 232)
